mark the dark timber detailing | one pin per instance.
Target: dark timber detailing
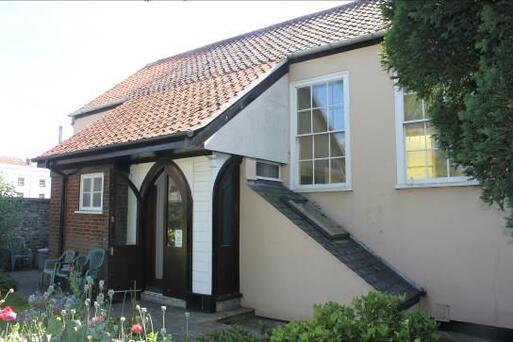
(353, 254)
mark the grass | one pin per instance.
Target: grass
(16, 302)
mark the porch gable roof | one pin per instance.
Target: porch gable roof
(186, 92)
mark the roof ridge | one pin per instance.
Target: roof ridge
(260, 30)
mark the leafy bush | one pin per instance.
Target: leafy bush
(374, 317)
(233, 333)
(8, 212)
(6, 283)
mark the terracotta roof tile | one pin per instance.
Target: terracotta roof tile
(183, 92)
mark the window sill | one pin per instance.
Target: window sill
(324, 189)
(270, 179)
(91, 212)
(436, 185)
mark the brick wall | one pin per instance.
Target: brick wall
(33, 221)
(81, 231)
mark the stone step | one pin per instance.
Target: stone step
(159, 298)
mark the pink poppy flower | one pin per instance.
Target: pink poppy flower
(7, 315)
(96, 319)
(136, 329)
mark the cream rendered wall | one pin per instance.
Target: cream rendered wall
(201, 173)
(445, 239)
(81, 122)
(261, 130)
(283, 271)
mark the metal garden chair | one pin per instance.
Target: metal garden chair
(19, 251)
(51, 266)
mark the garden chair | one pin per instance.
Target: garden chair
(51, 266)
(95, 259)
(19, 251)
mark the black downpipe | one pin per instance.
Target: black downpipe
(61, 210)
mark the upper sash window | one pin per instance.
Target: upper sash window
(419, 159)
(320, 133)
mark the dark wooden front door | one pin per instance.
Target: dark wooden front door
(226, 231)
(149, 237)
(176, 234)
(125, 254)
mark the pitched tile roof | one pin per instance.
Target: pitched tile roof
(185, 91)
(354, 255)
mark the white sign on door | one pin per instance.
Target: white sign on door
(178, 238)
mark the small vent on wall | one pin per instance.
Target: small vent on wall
(442, 313)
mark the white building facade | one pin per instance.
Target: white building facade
(27, 180)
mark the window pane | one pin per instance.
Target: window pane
(456, 171)
(176, 216)
(335, 92)
(87, 185)
(415, 138)
(303, 98)
(304, 122)
(319, 96)
(97, 199)
(267, 170)
(97, 184)
(338, 170)
(438, 164)
(321, 146)
(336, 119)
(86, 199)
(305, 147)
(416, 165)
(321, 171)
(430, 138)
(337, 144)
(305, 172)
(412, 107)
(320, 120)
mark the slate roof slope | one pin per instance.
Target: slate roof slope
(350, 252)
(184, 92)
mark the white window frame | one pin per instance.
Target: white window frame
(294, 169)
(402, 180)
(279, 179)
(91, 208)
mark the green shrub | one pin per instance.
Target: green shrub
(233, 333)
(6, 283)
(371, 318)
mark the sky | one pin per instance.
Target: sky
(57, 56)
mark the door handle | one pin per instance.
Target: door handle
(111, 251)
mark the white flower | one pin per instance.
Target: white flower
(89, 280)
(11, 290)
(122, 319)
(101, 283)
(96, 304)
(2, 301)
(138, 307)
(163, 307)
(144, 310)
(87, 302)
(110, 293)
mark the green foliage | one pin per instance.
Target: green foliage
(457, 55)
(233, 333)
(8, 212)
(372, 318)
(6, 283)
